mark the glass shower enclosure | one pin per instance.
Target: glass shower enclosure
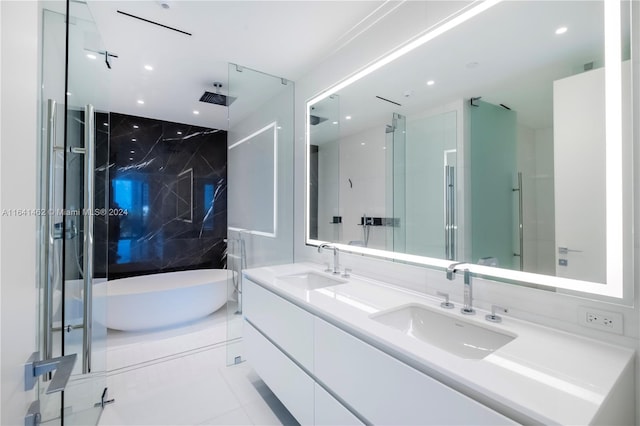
(260, 184)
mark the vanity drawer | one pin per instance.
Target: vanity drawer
(288, 326)
(330, 412)
(293, 387)
(384, 390)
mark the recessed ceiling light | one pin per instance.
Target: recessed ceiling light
(362, 143)
(279, 127)
(135, 126)
(179, 133)
(133, 140)
(148, 67)
(430, 83)
(132, 152)
(140, 101)
(348, 117)
(196, 112)
(335, 122)
(561, 30)
(106, 124)
(91, 56)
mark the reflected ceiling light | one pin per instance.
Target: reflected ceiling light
(446, 26)
(179, 132)
(196, 112)
(148, 67)
(140, 101)
(335, 122)
(135, 126)
(561, 30)
(133, 140)
(132, 152)
(106, 124)
(362, 143)
(348, 117)
(130, 158)
(91, 56)
(68, 93)
(430, 83)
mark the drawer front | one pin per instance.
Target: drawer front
(287, 325)
(292, 386)
(386, 391)
(330, 412)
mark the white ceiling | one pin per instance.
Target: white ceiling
(517, 56)
(282, 38)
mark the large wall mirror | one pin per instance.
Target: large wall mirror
(500, 138)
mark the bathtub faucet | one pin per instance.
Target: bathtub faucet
(336, 262)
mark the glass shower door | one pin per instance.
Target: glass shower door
(72, 193)
(260, 184)
(85, 221)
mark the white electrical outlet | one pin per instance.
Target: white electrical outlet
(600, 320)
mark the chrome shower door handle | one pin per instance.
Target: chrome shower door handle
(87, 256)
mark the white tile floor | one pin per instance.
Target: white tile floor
(181, 377)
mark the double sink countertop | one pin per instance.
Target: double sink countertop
(532, 374)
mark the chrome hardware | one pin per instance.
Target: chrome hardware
(446, 304)
(467, 309)
(103, 399)
(87, 257)
(328, 268)
(451, 269)
(520, 221)
(346, 274)
(450, 212)
(336, 262)
(566, 250)
(34, 367)
(492, 316)
(32, 418)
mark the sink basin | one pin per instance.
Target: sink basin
(312, 280)
(447, 332)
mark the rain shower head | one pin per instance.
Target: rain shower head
(216, 98)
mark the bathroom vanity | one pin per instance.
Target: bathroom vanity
(352, 350)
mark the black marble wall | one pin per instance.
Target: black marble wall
(167, 196)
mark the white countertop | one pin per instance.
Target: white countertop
(542, 376)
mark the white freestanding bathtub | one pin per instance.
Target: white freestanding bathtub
(165, 299)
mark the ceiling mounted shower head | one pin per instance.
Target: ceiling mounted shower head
(217, 98)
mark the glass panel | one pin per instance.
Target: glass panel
(85, 223)
(493, 165)
(260, 208)
(51, 170)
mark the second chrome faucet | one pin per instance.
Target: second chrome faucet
(336, 261)
(467, 308)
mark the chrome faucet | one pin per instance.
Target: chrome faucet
(451, 269)
(467, 309)
(336, 263)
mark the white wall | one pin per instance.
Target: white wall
(18, 135)
(365, 166)
(544, 307)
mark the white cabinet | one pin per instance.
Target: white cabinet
(306, 361)
(287, 325)
(329, 412)
(384, 390)
(287, 381)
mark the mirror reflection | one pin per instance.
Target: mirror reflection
(485, 145)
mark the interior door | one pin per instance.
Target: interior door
(73, 246)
